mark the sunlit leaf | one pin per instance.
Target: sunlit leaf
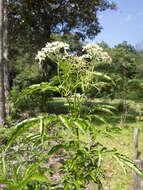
(77, 184)
(80, 126)
(66, 122)
(35, 87)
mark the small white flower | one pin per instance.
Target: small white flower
(51, 48)
(85, 56)
(92, 45)
(93, 51)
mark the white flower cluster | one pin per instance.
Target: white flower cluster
(50, 48)
(85, 56)
(95, 51)
(92, 46)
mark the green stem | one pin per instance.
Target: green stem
(77, 134)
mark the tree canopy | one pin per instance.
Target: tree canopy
(34, 19)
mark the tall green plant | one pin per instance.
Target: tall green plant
(70, 139)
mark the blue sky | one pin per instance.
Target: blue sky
(125, 23)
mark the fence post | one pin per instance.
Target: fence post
(136, 135)
(138, 182)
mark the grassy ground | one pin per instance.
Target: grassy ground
(116, 179)
(123, 141)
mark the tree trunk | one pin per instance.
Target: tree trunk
(5, 59)
(2, 96)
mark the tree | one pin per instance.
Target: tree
(5, 59)
(32, 23)
(36, 20)
(2, 97)
(140, 64)
(104, 45)
(126, 62)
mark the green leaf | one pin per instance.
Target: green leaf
(102, 109)
(120, 163)
(19, 129)
(35, 87)
(42, 130)
(93, 177)
(126, 161)
(77, 184)
(3, 164)
(31, 138)
(80, 126)
(40, 178)
(109, 107)
(96, 180)
(36, 177)
(98, 117)
(29, 171)
(15, 175)
(55, 148)
(66, 187)
(4, 181)
(66, 123)
(104, 76)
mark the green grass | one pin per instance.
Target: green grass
(123, 141)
